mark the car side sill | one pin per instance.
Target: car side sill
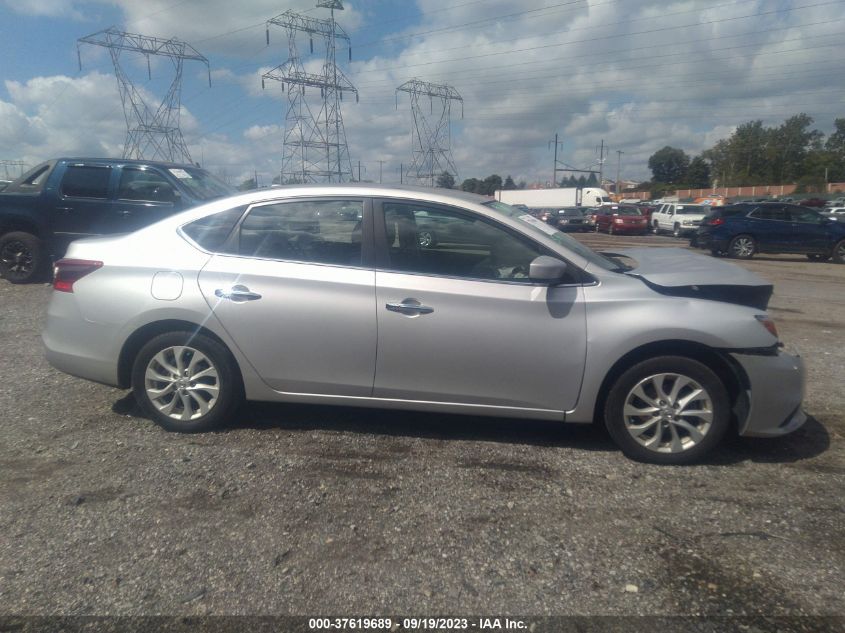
(460, 408)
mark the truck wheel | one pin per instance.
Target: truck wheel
(667, 410)
(22, 257)
(426, 238)
(676, 230)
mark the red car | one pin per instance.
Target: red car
(621, 219)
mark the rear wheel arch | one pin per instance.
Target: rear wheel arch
(145, 333)
(727, 369)
(9, 225)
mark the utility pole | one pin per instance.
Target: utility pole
(556, 163)
(619, 153)
(380, 163)
(401, 168)
(601, 162)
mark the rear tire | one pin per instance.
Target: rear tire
(742, 247)
(186, 382)
(22, 257)
(667, 410)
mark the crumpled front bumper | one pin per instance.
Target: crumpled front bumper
(776, 391)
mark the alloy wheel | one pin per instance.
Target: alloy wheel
(668, 413)
(742, 247)
(16, 257)
(182, 383)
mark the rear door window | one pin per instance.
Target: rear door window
(769, 213)
(144, 185)
(86, 181)
(316, 231)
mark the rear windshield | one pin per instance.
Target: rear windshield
(691, 209)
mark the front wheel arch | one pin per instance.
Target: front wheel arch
(734, 378)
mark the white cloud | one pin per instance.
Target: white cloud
(44, 8)
(638, 74)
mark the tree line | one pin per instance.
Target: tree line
(791, 153)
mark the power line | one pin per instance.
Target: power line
(594, 39)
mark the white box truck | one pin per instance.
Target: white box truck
(551, 198)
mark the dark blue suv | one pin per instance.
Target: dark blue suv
(743, 229)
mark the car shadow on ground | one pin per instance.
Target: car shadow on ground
(809, 441)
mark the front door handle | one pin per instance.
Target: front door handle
(237, 293)
(409, 307)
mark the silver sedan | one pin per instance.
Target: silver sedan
(331, 295)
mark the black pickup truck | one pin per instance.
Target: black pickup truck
(69, 198)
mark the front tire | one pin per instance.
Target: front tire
(667, 410)
(676, 230)
(838, 253)
(186, 382)
(742, 247)
(22, 257)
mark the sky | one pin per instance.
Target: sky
(633, 75)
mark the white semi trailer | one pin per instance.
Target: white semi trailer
(559, 197)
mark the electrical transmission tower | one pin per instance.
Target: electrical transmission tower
(431, 141)
(314, 148)
(8, 173)
(151, 134)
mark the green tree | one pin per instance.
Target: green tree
(491, 184)
(789, 146)
(471, 184)
(698, 173)
(668, 165)
(446, 180)
(509, 184)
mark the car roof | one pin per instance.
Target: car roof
(126, 161)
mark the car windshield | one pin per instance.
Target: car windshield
(538, 227)
(691, 209)
(200, 183)
(571, 212)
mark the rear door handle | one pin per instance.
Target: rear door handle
(237, 293)
(409, 307)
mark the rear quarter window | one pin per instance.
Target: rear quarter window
(211, 232)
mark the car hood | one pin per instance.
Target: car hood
(680, 273)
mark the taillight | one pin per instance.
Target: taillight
(716, 221)
(68, 271)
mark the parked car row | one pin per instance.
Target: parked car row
(745, 229)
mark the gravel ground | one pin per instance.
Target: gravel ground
(317, 510)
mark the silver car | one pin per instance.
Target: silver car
(324, 294)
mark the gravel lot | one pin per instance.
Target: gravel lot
(317, 510)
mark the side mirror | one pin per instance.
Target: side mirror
(545, 268)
